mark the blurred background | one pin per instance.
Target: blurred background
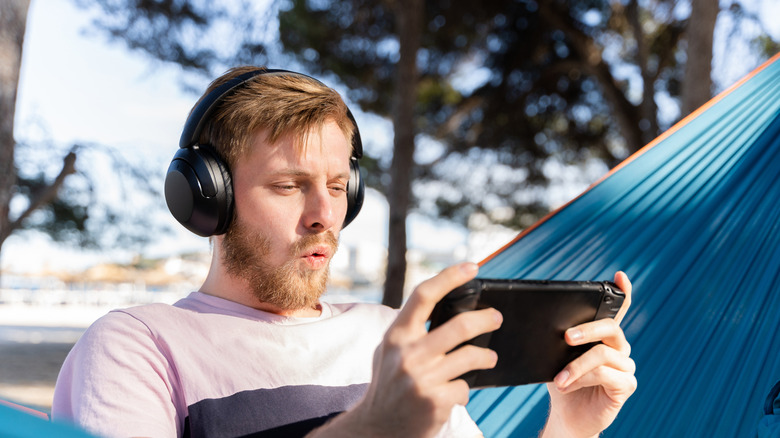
(477, 120)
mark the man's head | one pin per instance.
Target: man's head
(285, 145)
(198, 187)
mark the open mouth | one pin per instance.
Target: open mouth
(318, 251)
(317, 256)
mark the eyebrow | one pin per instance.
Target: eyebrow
(303, 173)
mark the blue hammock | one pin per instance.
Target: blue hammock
(20, 422)
(694, 220)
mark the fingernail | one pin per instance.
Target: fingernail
(469, 268)
(498, 317)
(561, 378)
(575, 334)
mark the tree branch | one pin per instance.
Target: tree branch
(45, 195)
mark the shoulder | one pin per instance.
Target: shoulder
(136, 329)
(151, 319)
(118, 330)
(130, 320)
(115, 377)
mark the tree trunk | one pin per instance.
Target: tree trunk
(697, 81)
(648, 110)
(13, 22)
(409, 20)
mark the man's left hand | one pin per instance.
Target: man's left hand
(588, 393)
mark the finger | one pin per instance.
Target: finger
(618, 385)
(461, 328)
(454, 393)
(597, 357)
(621, 279)
(420, 304)
(604, 330)
(464, 359)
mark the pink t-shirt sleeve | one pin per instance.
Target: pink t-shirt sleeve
(93, 391)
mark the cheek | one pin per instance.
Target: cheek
(275, 228)
(260, 210)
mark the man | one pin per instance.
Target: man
(255, 351)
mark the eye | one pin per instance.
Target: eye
(339, 188)
(285, 187)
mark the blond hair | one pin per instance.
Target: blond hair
(281, 103)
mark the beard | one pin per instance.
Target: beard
(287, 287)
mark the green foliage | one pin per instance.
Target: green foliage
(766, 46)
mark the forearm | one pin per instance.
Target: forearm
(353, 423)
(556, 428)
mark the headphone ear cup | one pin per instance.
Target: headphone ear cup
(355, 191)
(199, 191)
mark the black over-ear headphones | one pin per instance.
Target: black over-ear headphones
(198, 185)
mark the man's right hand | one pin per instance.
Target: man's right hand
(415, 381)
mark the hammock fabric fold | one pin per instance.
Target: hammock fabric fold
(694, 220)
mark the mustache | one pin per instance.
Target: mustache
(327, 238)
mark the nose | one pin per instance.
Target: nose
(319, 210)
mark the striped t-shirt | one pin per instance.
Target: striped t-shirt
(210, 367)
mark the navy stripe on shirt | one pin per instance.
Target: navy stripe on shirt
(287, 411)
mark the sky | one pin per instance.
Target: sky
(75, 87)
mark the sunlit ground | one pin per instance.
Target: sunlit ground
(28, 372)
